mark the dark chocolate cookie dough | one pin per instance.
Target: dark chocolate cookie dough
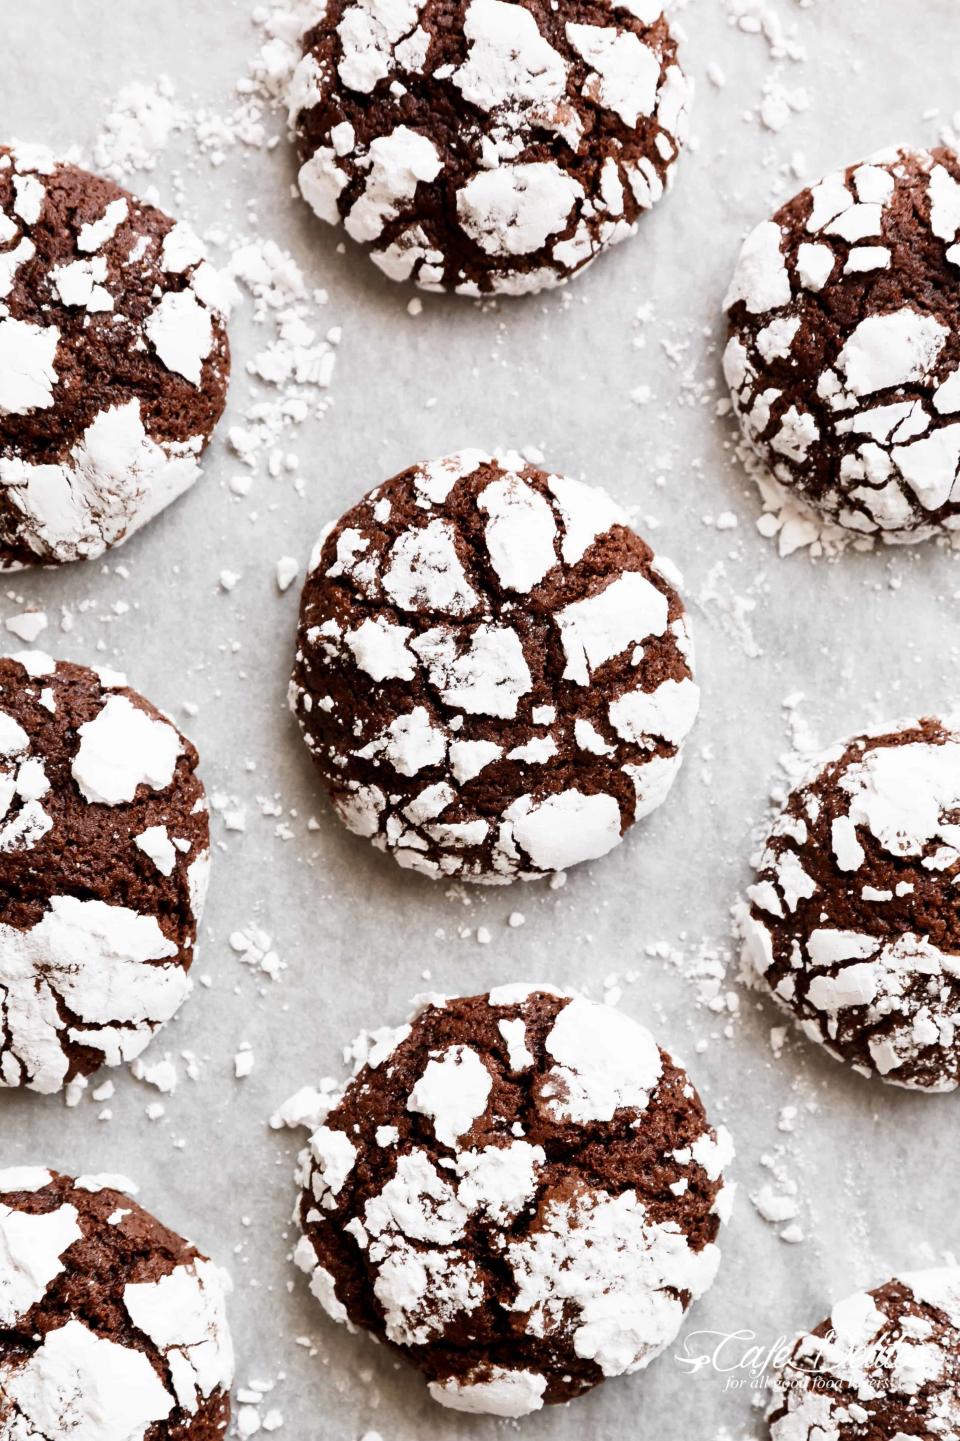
(483, 145)
(494, 670)
(113, 360)
(519, 1191)
(112, 1328)
(844, 352)
(104, 853)
(885, 1364)
(854, 921)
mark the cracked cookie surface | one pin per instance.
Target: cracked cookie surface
(844, 354)
(854, 921)
(483, 146)
(494, 672)
(112, 1327)
(104, 855)
(886, 1363)
(113, 360)
(519, 1191)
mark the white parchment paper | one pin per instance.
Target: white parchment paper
(866, 638)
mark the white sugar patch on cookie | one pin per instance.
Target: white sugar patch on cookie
(181, 331)
(761, 279)
(626, 72)
(520, 533)
(905, 795)
(184, 1315)
(514, 209)
(155, 843)
(497, 1391)
(99, 960)
(121, 749)
(512, 72)
(602, 1259)
(488, 678)
(94, 235)
(595, 630)
(565, 829)
(453, 1091)
(605, 1062)
(31, 1249)
(398, 162)
(425, 570)
(79, 1382)
(27, 374)
(891, 350)
(115, 479)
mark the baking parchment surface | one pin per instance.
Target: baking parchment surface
(615, 379)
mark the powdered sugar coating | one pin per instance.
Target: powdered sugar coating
(490, 146)
(102, 827)
(114, 1329)
(519, 1229)
(113, 361)
(852, 918)
(844, 354)
(884, 1363)
(493, 674)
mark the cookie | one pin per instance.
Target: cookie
(854, 920)
(483, 146)
(112, 1328)
(885, 1364)
(104, 854)
(844, 353)
(493, 670)
(518, 1191)
(113, 360)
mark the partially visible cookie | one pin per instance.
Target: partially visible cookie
(487, 146)
(854, 919)
(844, 353)
(494, 672)
(113, 360)
(112, 1327)
(519, 1191)
(104, 854)
(885, 1364)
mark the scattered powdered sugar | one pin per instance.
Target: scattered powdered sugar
(139, 126)
(779, 100)
(292, 372)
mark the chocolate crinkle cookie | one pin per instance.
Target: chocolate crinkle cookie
(885, 1364)
(844, 352)
(112, 1328)
(104, 854)
(484, 146)
(854, 920)
(493, 671)
(113, 360)
(519, 1191)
